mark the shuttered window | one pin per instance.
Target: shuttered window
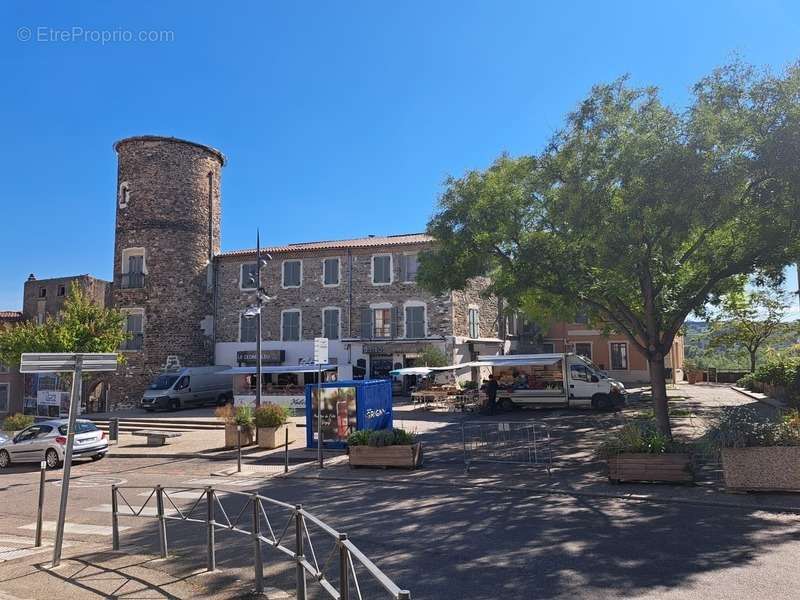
(330, 323)
(248, 276)
(415, 321)
(473, 326)
(4, 397)
(382, 269)
(330, 271)
(290, 326)
(248, 328)
(366, 324)
(409, 264)
(292, 273)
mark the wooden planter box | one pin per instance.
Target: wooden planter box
(773, 468)
(408, 457)
(630, 466)
(230, 436)
(274, 437)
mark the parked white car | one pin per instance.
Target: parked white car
(47, 441)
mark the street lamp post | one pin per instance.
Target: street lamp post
(254, 311)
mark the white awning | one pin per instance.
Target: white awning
(278, 369)
(521, 360)
(422, 371)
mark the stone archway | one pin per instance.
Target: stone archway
(96, 398)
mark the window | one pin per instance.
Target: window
(183, 383)
(4, 397)
(415, 321)
(290, 326)
(409, 264)
(473, 324)
(133, 268)
(581, 318)
(580, 373)
(134, 326)
(292, 273)
(583, 349)
(124, 194)
(330, 271)
(382, 269)
(62, 290)
(248, 276)
(248, 328)
(42, 292)
(330, 323)
(382, 322)
(548, 347)
(619, 356)
(3, 368)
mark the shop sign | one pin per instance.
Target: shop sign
(268, 357)
(395, 348)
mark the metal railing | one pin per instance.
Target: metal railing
(302, 552)
(507, 442)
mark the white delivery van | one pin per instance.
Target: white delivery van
(191, 386)
(555, 380)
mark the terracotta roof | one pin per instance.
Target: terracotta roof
(365, 242)
(10, 314)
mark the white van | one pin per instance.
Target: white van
(556, 380)
(191, 386)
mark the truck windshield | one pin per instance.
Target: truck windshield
(163, 382)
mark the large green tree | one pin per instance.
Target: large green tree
(640, 213)
(748, 319)
(81, 326)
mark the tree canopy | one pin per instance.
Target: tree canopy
(82, 326)
(637, 212)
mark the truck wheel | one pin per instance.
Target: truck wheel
(222, 399)
(506, 405)
(602, 402)
(174, 404)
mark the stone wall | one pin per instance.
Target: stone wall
(312, 296)
(473, 295)
(33, 304)
(173, 211)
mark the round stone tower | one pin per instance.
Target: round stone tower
(167, 234)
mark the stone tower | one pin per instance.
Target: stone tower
(167, 234)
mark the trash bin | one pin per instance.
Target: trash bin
(113, 430)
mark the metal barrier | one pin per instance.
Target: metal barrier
(504, 442)
(302, 552)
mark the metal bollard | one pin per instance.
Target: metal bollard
(403, 595)
(40, 510)
(299, 556)
(344, 566)
(114, 519)
(162, 523)
(212, 557)
(238, 448)
(259, 565)
(113, 429)
(286, 449)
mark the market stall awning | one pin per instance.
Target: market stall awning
(278, 369)
(520, 360)
(411, 371)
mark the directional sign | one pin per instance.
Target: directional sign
(55, 362)
(321, 351)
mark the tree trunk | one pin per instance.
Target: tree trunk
(658, 383)
(752, 361)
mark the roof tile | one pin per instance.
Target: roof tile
(366, 242)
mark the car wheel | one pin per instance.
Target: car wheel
(5, 459)
(52, 460)
(98, 457)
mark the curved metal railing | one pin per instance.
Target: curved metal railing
(303, 552)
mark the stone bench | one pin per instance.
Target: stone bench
(156, 438)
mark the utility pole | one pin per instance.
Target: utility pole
(260, 304)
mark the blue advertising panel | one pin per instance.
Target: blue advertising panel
(347, 406)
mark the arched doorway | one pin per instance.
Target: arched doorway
(96, 399)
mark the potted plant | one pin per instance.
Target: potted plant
(638, 452)
(758, 453)
(272, 422)
(235, 417)
(384, 448)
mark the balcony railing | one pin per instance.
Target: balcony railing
(131, 281)
(134, 342)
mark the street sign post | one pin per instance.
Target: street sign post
(78, 363)
(320, 358)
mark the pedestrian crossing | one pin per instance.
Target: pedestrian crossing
(85, 529)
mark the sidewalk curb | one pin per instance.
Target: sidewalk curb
(760, 397)
(629, 496)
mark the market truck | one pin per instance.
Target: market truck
(553, 380)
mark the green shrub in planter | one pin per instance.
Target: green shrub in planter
(380, 438)
(744, 427)
(271, 416)
(244, 416)
(746, 382)
(640, 436)
(17, 422)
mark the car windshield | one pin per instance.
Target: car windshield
(163, 382)
(80, 427)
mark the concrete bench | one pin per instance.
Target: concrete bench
(156, 438)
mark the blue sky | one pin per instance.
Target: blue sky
(339, 119)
